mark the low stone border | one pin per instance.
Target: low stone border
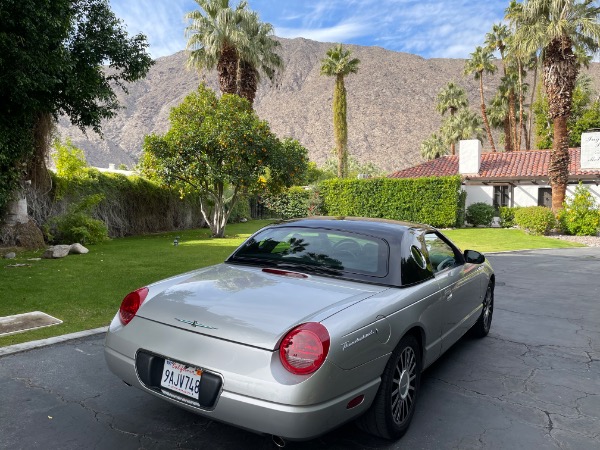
(17, 348)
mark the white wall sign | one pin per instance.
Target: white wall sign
(590, 150)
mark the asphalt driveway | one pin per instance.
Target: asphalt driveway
(534, 382)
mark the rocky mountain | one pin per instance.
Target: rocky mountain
(391, 104)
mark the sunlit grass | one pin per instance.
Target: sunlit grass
(502, 239)
(85, 291)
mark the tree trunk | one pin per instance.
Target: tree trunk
(560, 74)
(248, 81)
(227, 70)
(340, 126)
(507, 135)
(558, 170)
(511, 118)
(484, 115)
(521, 100)
(530, 118)
(453, 148)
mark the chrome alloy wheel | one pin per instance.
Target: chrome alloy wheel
(488, 309)
(404, 383)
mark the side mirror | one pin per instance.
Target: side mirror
(474, 257)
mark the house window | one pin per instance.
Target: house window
(545, 197)
(501, 196)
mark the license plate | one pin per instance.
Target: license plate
(181, 378)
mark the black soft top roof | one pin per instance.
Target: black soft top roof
(398, 235)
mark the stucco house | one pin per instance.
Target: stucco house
(512, 178)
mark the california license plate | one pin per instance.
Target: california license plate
(181, 378)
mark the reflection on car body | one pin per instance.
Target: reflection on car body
(307, 325)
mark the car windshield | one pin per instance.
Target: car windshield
(317, 250)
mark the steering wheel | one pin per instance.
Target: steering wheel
(448, 262)
(347, 246)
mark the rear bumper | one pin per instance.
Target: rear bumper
(256, 393)
(287, 421)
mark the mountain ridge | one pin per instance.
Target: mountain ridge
(391, 104)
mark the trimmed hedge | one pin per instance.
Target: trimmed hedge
(435, 201)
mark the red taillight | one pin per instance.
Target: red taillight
(304, 349)
(131, 303)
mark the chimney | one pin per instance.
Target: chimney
(590, 150)
(469, 157)
(111, 166)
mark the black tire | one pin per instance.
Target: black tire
(483, 324)
(393, 408)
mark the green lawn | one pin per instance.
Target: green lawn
(488, 240)
(85, 291)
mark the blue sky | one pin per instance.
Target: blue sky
(429, 28)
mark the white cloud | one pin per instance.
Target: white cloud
(430, 28)
(162, 22)
(337, 33)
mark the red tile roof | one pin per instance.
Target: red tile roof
(499, 165)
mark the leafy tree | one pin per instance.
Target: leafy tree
(480, 63)
(338, 63)
(581, 215)
(218, 145)
(580, 120)
(451, 98)
(434, 147)
(52, 55)
(559, 29)
(69, 159)
(589, 119)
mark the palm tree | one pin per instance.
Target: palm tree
(258, 56)
(499, 117)
(214, 37)
(465, 124)
(496, 40)
(338, 63)
(557, 28)
(433, 147)
(451, 98)
(480, 63)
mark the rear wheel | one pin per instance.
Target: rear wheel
(483, 324)
(394, 405)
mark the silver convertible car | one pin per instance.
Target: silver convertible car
(307, 325)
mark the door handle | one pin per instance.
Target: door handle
(448, 295)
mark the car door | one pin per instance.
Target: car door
(459, 286)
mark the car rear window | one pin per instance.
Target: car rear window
(337, 251)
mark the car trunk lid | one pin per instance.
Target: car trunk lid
(247, 304)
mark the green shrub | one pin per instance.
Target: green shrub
(480, 213)
(241, 210)
(535, 219)
(433, 200)
(291, 203)
(507, 216)
(77, 225)
(580, 215)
